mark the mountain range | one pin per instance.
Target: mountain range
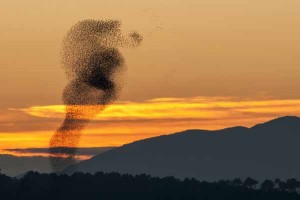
(18, 165)
(267, 150)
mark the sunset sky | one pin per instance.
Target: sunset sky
(203, 64)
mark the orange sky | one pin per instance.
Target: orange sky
(191, 48)
(127, 121)
(203, 64)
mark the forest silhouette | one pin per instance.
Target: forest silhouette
(113, 186)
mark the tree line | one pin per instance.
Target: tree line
(114, 186)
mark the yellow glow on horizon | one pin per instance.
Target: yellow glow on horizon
(125, 122)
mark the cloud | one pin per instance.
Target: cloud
(82, 153)
(180, 108)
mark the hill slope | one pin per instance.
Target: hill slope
(268, 150)
(15, 166)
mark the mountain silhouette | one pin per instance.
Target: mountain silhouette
(19, 165)
(265, 151)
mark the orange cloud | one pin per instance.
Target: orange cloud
(30, 154)
(178, 108)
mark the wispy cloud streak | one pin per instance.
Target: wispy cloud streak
(181, 108)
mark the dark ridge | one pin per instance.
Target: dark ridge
(265, 151)
(280, 122)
